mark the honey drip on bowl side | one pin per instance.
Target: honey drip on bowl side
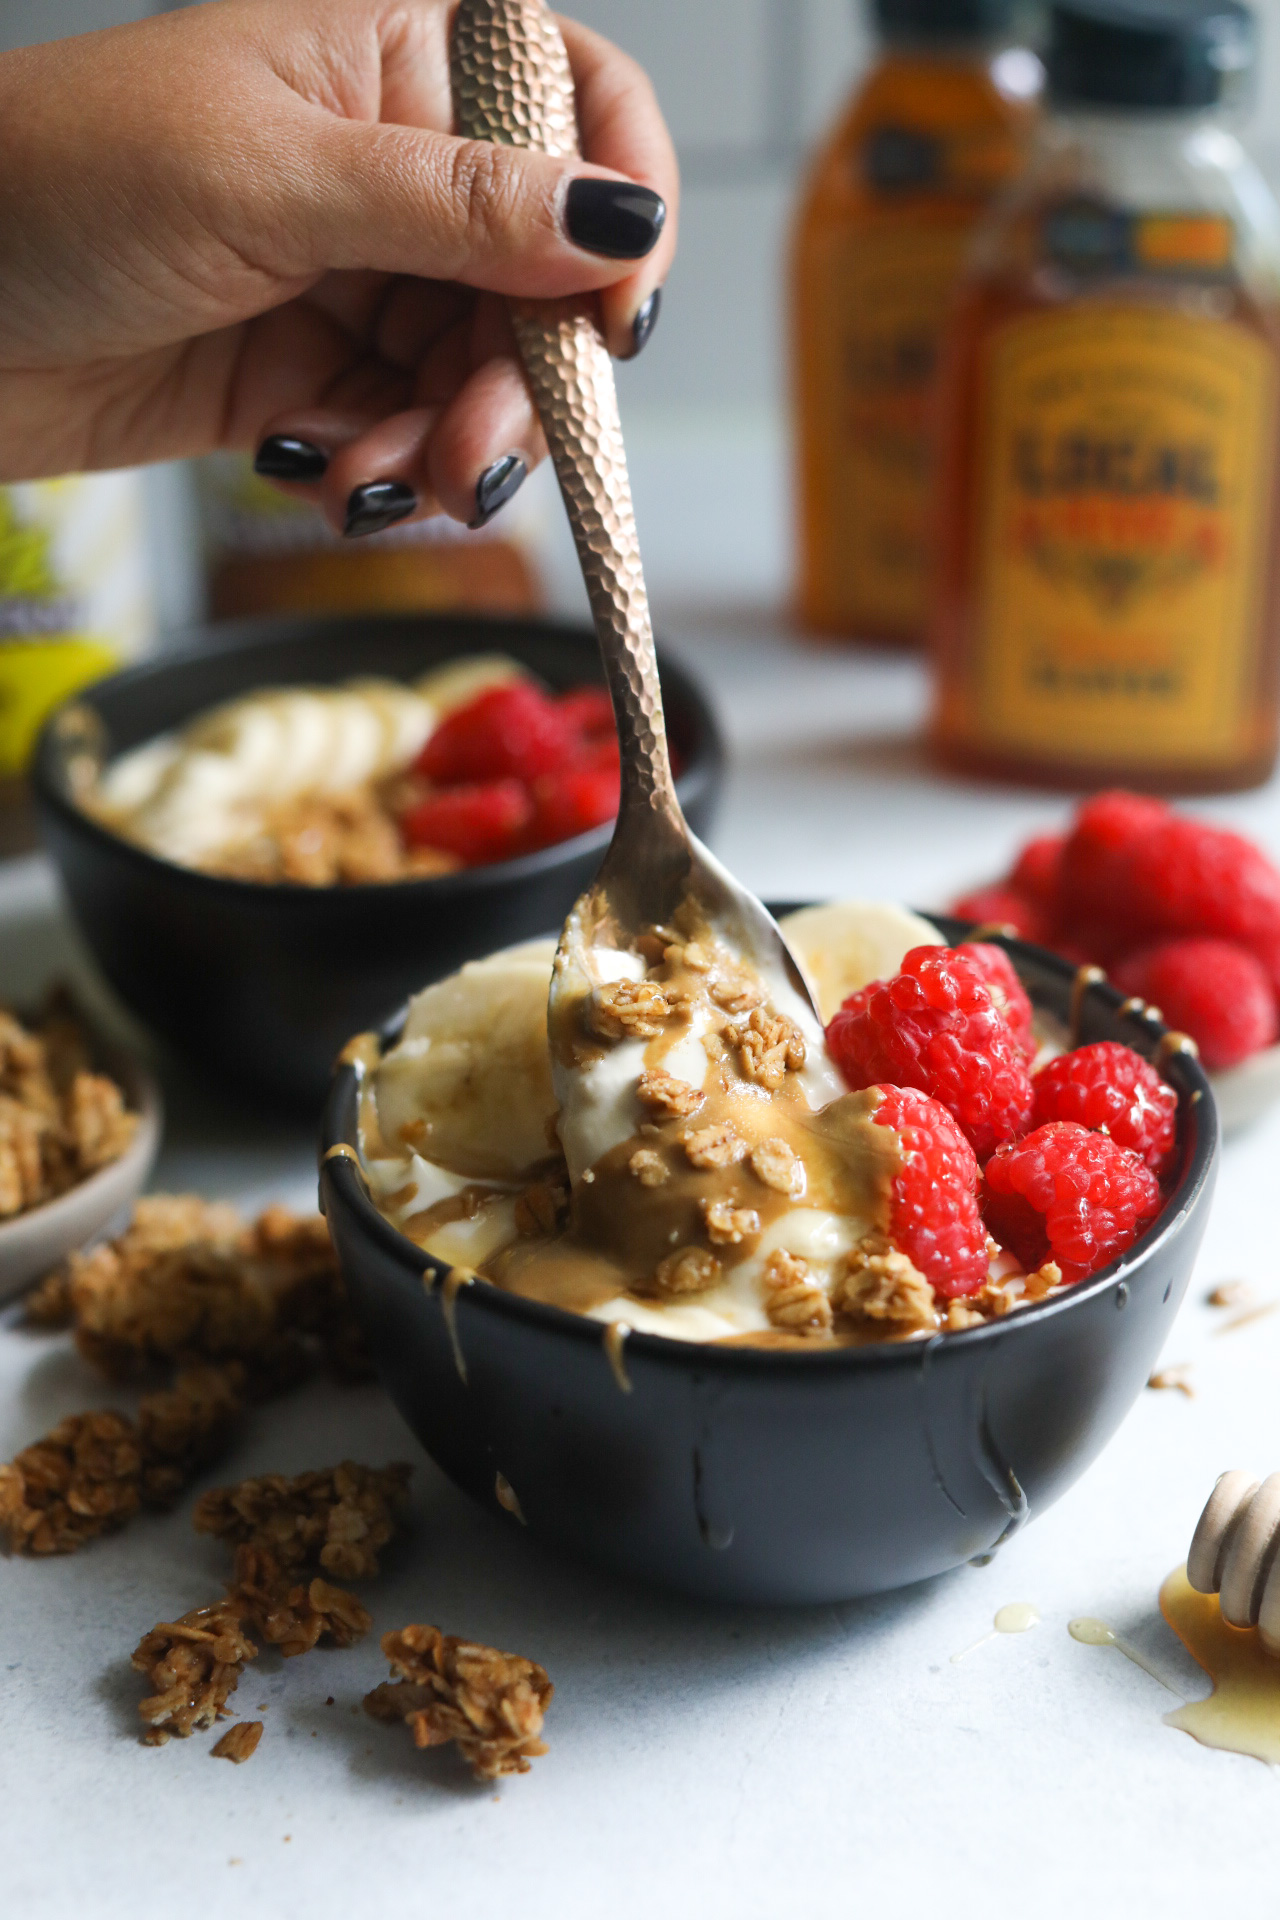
(1242, 1714)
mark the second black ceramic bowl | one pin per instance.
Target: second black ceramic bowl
(261, 985)
(740, 1474)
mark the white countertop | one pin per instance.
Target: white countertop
(703, 1761)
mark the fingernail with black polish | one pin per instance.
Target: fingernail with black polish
(378, 504)
(614, 217)
(645, 322)
(495, 487)
(281, 457)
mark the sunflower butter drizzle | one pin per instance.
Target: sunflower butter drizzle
(620, 1226)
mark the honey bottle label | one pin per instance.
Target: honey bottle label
(885, 300)
(1126, 468)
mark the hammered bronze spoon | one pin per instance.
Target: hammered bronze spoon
(512, 84)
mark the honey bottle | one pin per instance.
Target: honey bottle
(1107, 588)
(938, 124)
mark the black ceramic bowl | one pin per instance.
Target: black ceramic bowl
(261, 985)
(741, 1474)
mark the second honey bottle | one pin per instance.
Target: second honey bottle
(935, 129)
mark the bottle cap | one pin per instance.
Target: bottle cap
(1149, 53)
(943, 19)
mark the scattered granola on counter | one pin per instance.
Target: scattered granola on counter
(241, 1312)
(339, 1517)
(329, 1518)
(60, 1121)
(491, 1704)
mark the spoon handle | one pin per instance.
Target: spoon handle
(512, 85)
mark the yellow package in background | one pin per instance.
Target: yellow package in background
(75, 596)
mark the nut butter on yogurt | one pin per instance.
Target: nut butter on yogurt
(715, 1185)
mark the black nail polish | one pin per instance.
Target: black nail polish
(281, 457)
(645, 322)
(614, 217)
(495, 487)
(378, 504)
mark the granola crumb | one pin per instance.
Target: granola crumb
(877, 1282)
(717, 1146)
(338, 1517)
(663, 1094)
(238, 1743)
(1231, 1293)
(727, 1225)
(1043, 1280)
(769, 1047)
(542, 1207)
(490, 1704)
(735, 990)
(794, 1301)
(1173, 1380)
(774, 1164)
(691, 1270)
(629, 1009)
(648, 1167)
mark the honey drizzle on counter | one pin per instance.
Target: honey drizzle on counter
(1242, 1714)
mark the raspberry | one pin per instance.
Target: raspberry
(480, 823)
(1068, 1195)
(1008, 992)
(1096, 870)
(936, 1026)
(1191, 878)
(1037, 872)
(1212, 989)
(933, 1201)
(1111, 1089)
(588, 710)
(1003, 905)
(511, 731)
(575, 800)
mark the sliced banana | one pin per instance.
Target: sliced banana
(452, 686)
(468, 1087)
(849, 943)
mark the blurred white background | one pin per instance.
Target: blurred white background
(748, 86)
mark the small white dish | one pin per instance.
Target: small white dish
(32, 1243)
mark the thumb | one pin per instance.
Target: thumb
(396, 199)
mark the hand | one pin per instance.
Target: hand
(248, 225)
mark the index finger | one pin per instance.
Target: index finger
(622, 127)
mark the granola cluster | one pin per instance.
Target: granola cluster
(234, 1313)
(95, 1470)
(340, 1518)
(59, 1120)
(188, 1280)
(490, 1704)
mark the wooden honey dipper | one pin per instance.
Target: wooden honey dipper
(1235, 1553)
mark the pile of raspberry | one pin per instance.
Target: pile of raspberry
(513, 770)
(1181, 914)
(1060, 1165)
